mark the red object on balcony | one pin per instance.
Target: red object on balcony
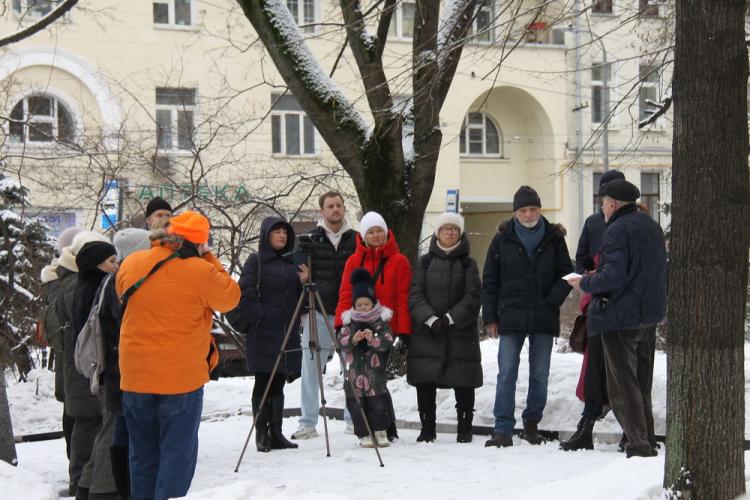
(538, 26)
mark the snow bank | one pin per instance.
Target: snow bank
(22, 484)
(33, 406)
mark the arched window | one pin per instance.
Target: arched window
(38, 119)
(480, 136)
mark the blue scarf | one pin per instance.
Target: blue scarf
(530, 238)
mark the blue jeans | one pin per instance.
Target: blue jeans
(309, 380)
(508, 358)
(163, 442)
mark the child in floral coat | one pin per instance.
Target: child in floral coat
(366, 339)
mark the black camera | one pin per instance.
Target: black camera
(305, 242)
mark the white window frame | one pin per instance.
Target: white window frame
(398, 19)
(656, 85)
(484, 154)
(57, 101)
(300, 19)
(612, 12)
(282, 114)
(487, 5)
(599, 83)
(24, 15)
(659, 180)
(170, 24)
(174, 110)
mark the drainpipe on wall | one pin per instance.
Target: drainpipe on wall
(578, 168)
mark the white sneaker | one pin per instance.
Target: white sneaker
(366, 442)
(382, 439)
(349, 428)
(305, 432)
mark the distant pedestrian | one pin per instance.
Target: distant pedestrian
(522, 292)
(366, 339)
(158, 213)
(167, 351)
(444, 301)
(629, 295)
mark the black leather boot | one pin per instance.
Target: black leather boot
(463, 431)
(261, 415)
(277, 439)
(499, 440)
(531, 433)
(583, 439)
(427, 435)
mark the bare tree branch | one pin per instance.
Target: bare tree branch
(64, 7)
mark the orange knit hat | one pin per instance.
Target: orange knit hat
(190, 225)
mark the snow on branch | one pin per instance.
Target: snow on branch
(448, 32)
(18, 288)
(656, 110)
(55, 14)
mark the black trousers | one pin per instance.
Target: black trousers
(629, 356)
(595, 379)
(261, 381)
(426, 394)
(376, 410)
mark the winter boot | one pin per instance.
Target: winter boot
(428, 427)
(583, 438)
(261, 415)
(499, 440)
(120, 470)
(381, 439)
(278, 441)
(623, 443)
(531, 433)
(463, 431)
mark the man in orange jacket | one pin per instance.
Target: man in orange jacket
(166, 351)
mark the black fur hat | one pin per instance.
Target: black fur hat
(362, 285)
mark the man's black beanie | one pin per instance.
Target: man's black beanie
(526, 197)
(157, 203)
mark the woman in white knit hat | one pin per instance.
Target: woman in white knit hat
(444, 302)
(378, 252)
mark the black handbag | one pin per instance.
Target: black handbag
(578, 336)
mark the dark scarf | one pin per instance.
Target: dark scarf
(530, 238)
(84, 295)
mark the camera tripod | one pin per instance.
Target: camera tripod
(312, 297)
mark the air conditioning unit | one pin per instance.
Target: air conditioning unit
(558, 35)
(162, 164)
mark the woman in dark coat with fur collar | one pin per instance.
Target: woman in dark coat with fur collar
(264, 314)
(444, 303)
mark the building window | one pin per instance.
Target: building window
(41, 119)
(648, 8)
(480, 136)
(33, 8)
(175, 115)
(402, 21)
(597, 198)
(304, 12)
(292, 132)
(482, 25)
(173, 12)
(601, 7)
(649, 91)
(597, 90)
(650, 194)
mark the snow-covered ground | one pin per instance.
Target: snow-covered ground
(444, 469)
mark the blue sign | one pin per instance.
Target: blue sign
(110, 204)
(451, 201)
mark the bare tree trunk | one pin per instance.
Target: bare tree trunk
(708, 252)
(7, 443)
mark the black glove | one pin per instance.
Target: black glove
(402, 342)
(291, 377)
(440, 325)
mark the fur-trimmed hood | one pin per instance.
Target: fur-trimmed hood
(506, 227)
(49, 272)
(386, 314)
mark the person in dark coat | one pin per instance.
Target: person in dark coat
(444, 302)
(629, 296)
(593, 372)
(95, 260)
(522, 292)
(264, 314)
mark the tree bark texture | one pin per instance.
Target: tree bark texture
(394, 182)
(708, 262)
(7, 443)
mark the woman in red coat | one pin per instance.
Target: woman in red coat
(378, 252)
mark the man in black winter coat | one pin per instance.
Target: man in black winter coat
(629, 295)
(332, 242)
(593, 228)
(522, 292)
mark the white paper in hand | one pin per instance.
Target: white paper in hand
(570, 276)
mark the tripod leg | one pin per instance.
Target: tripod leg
(315, 344)
(273, 374)
(357, 398)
